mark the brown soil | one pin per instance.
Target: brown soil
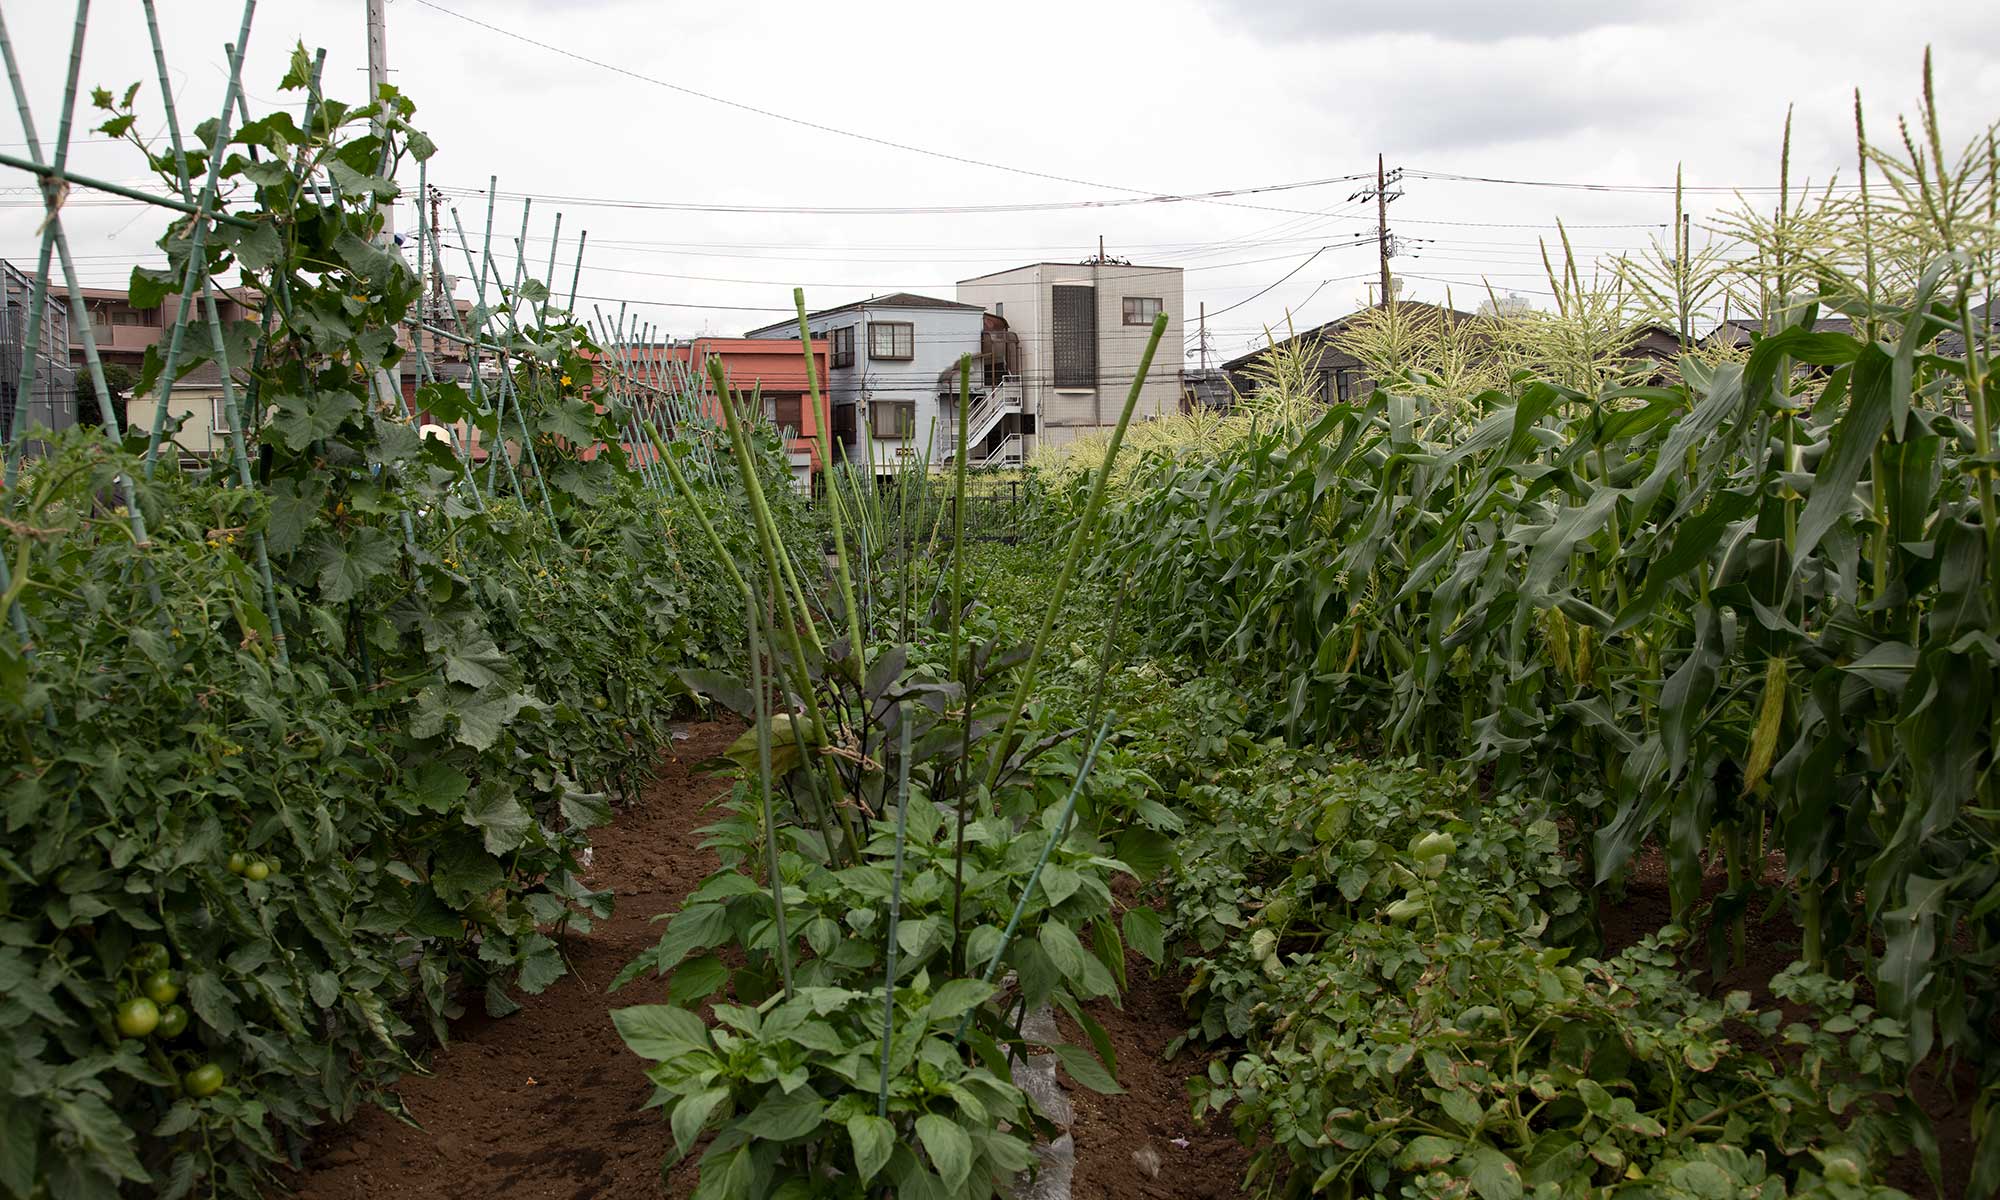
(1126, 1146)
(546, 1102)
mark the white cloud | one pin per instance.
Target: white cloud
(1179, 95)
(1455, 20)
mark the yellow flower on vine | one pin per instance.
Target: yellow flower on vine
(565, 380)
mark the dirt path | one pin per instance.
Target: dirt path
(1144, 1145)
(546, 1102)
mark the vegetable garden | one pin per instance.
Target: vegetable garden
(1368, 728)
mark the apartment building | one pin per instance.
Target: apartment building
(886, 356)
(1081, 330)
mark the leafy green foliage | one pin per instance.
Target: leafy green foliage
(1412, 1064)
(335, 827)
(1747, 611)
(1288, 849)
(789, 1074)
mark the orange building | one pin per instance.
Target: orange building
(773, 368)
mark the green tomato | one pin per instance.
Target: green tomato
(162, 988)
(257, 871)
(173, 1022)
(599, 702)
(148, 957)
(239, 862)
(138, 1017)
(204, 1080)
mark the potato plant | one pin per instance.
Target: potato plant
(1415, 1065)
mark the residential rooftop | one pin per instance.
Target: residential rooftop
(891, 300)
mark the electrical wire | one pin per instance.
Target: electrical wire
(1147, 195)
(1669, 189)
(902, 210)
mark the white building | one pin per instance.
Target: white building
(1081, 330)
(885, 356)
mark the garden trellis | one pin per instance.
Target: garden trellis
(494, 336)
(312, 732)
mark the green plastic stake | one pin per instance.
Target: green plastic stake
(895, 903)
(1035, 876)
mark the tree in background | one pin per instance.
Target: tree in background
(118, 380)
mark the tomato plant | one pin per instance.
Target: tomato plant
(278, 834)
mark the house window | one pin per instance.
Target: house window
(785, 411)
(843, 423)
(1000, 309)
(892, 418)
(218, 415)
(1346, 383)
(843, 345)
(1140, 310)
(135, 316)
(1075, 329)
(892, 340)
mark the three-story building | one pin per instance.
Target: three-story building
(1081, 330)
(885, 356)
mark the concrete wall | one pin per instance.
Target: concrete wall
(1022, 295)
(194, 404)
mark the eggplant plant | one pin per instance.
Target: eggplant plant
(912, 859)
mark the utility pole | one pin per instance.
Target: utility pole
(378, 74)
(1201, 337)
(1381, 216)
(1385, 241)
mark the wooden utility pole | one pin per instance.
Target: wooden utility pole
(1201, 337)
(1381, 217)
(378, 74)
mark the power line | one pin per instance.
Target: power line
(1164, 269)
(904, 210)
(1540, 224)
(1282, 278)
(1450, 177)
(1148, 194)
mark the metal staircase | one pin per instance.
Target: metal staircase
(1006, 454)
(1002, 401)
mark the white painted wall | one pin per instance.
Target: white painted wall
(1063, 414)
(941, 336)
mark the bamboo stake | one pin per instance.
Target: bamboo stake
(1086, 526)
(207, 205)
(895, 910)
(1034, 877)
(763, 717)
(54, 237)
(833, 499)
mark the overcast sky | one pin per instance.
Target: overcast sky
(1085, 101)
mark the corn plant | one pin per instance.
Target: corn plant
(1747, 609)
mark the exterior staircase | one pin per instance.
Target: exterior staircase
(1000, 402)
